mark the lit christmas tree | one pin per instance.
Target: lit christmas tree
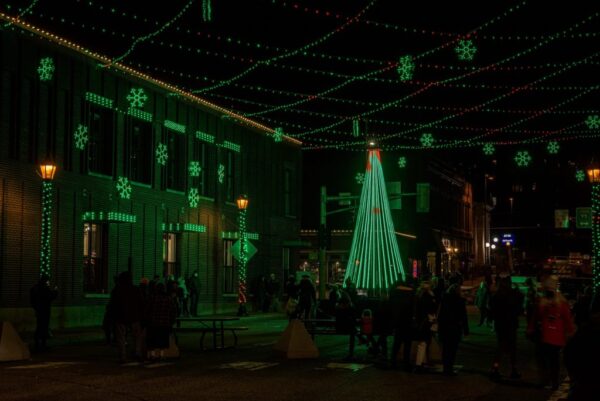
(374, 262)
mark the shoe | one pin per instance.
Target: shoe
(515, 375)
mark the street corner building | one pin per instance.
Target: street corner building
(147, 177)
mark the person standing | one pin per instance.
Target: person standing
(553, 320)
(482, 301)
(41, 297)
(351, 290)
(307, 297)
(402, 304)
(426, 309)
(194, 290)
(453, 324)
(128, 307)
(160, 315)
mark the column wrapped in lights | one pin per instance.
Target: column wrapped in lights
(374, 262)
(242, 203)
(594, 177)
(46, 171)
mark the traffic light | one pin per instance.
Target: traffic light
(423, 197)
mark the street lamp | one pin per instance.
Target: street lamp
(594, 177)
(242, 204)
(46, 171)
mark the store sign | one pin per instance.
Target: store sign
(508, 239)
(583, 217)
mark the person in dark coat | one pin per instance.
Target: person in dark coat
(194, 290)
(453, 324)
(383, 325)
(505, 307)
(581, 356)
(402, 303)
(128, 307)
(350, 289)
(345, 322)
(41, 297)
(307, 296)
(160, 316)
(426, 310)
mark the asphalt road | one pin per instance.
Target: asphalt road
(80, 367)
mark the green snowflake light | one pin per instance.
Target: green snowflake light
(46, 69)
(427, 140)
(161, 154)
(278, 135)
(194, 169)
(489, 149)
(124, 188)
(193, 197)
(522, 158)
(137, 97)
(580, 176)
(593, 121)
(465, 50)
(553, 147)
(402, 162)
(360, 178)
(221, 173)
(81, 137)
(406, 67)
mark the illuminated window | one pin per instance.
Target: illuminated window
(170, 255)
(95, 258)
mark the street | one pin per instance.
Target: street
(80, 367)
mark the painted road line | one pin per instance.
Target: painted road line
(248, 365)
(45, 365)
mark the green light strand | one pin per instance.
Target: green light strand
(206, 10)
(144, 38)
(243, 258)
(111, 217)
(172, 125)
(355, 128)
(374, 262)
(46, 230)
(596, 236)
(26, 10)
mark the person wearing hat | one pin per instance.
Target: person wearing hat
(553, 320)
(41, 297)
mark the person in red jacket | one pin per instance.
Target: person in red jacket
(552, 324)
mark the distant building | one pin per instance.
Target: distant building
(147, 181)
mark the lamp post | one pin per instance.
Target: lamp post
(594, 177)
(46, 171)
(242, 204)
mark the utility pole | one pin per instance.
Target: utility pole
(323, 244)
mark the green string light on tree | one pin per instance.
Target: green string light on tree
(553, 147)
(81, 136)
(522, 158)
(206, 10)
(123, 188)
(593, 121)
(465, 50)
(406, 67)
(596, 236)
(580, 176)
(161, 154)
(193, 197)
(137, 97)
(356, 127)
(46, 230)
(46, 69)
(489, 149)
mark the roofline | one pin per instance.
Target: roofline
(137, 74)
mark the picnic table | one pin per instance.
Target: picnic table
(211, 324)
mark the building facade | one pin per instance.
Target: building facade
(147, 181)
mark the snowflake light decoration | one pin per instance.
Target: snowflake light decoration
(402, 162)
(593, 121)
(489, 149)
(137, 97)
(124, 188)
(553, 147)
(278, 136)
(81, 137)
(221, 173)
(427, 140)
(194, 169)
(161, 154)
(465, 50)
(193, 197)
(406, 67)
(360, 178)
(46, 69)
(580, 176)
(523, 158)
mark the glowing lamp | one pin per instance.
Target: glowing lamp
(47, 170)
(593, 173)
(242, 202)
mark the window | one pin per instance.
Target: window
(100, 146)
(229, 268)
(170, 255)
(230, 177)
(177, 161)
(139, 157)
(287, 192)
(95, 260)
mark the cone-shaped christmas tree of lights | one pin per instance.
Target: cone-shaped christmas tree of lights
(374, 261)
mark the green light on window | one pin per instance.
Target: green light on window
(46, 229)
(99, 100)
(174, 126)
(124, 188)
(137, 97)
(196, 228)
(46, 69)
(110, 217)
(161, 154)
(81, 137)
(203, 136)
(193, 197)
(231, 146)
(194, 169)
(140, 114)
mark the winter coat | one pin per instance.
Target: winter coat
(554, 321)
(452, 319)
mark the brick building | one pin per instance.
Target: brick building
(147, 180)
